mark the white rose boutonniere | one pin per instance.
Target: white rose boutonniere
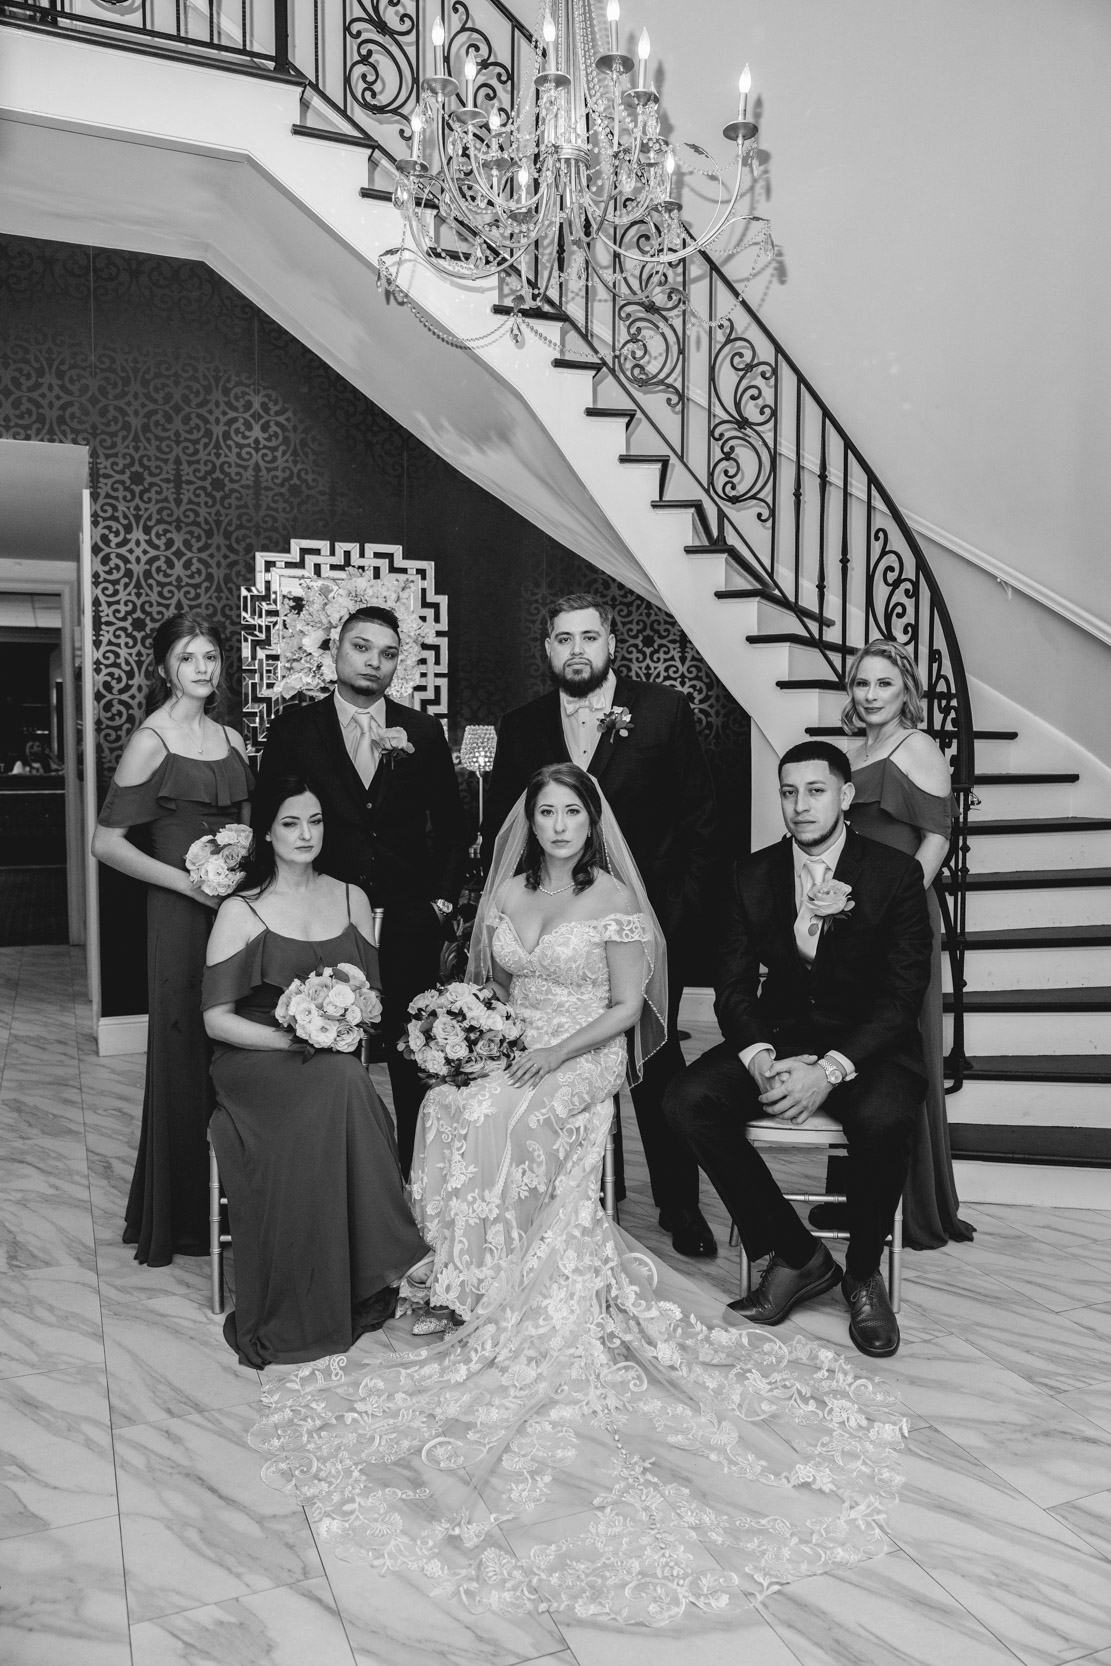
(830, 900)
(392, 743)
(618, 720)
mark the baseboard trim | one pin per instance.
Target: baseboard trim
(122, 1035)
(1036, 1186)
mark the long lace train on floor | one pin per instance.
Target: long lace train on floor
(587, 1443)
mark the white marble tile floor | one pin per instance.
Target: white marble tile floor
(135, 1529)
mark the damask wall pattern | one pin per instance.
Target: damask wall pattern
(214, 433)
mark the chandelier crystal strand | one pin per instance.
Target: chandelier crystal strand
(575, 175)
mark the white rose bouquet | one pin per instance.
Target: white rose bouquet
(459, 1031)
(333, 1009)
(215, 861)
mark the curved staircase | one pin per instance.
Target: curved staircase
(700, 464)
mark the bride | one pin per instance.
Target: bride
(580, 1441)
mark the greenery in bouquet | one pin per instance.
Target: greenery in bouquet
(215, 861)
(331, 1010)
(459, 1031)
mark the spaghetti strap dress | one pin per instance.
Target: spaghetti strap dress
(321, 1232)
(185, 798)
(889, 808)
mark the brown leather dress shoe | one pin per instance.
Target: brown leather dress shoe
(873, 1327)
(782, 1288)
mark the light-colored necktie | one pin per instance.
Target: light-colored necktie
(807, 924)
(365, 755)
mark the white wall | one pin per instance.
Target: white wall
(941, 174)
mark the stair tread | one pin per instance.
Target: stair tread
(1042, 824)
(817, 729)
(1019, 778)
(1094, 998)
(362, 141)
(655, 458)
(759, 595)
(1041, 1146)
(810, 682)
(625, 413)
(1041, 937)
(797, 639)
(593, 365)
(502, 309)
(1039, 879)
(1038, 1067)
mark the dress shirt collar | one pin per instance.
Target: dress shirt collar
(345, 711)
(830, 857)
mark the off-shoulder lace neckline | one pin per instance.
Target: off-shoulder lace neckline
(595, 920)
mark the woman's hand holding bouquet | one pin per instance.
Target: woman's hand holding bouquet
(461, 1030)
(331, 1010)
(214, 862)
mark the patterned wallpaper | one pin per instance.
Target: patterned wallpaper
(214, 433)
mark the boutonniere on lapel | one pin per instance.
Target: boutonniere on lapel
(830, 901)
(392, 744)
(617, 721)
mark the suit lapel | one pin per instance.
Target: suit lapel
(334, 748)
(382, 779)
(847, 869)
(623, 695)
(783, 888)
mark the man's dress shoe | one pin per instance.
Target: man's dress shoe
(782, 1288)
(690, 1233)
(873, 1327)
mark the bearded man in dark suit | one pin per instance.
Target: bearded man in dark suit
(842, 927)
(640, 743)
(393, 821)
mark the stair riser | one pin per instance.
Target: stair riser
(1023, 1033)
(1032, 1104)
(1004, 852)
(1049, 968)
(1024, 799)
(1077, 905)
(1032, 1186)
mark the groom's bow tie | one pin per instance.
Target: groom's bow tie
(595, 702)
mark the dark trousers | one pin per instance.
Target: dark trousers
(708, 1106)
(409, 961)
(672, 1168)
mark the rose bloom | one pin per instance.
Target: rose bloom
(299, 1007)
(347, 1039)
(322, 1032)
(338, 999)
(456, 1049)
(355, 977)
(432, 1060)
(488, 1047)
(445, 1029)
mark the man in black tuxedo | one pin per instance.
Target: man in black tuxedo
(393, 822)
(652, 770)
(842, 927)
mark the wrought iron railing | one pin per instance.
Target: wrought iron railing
(796, 510)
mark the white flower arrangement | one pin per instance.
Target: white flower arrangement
(332, 1009)
(214, 862)
(461, 1030)
(310, 624)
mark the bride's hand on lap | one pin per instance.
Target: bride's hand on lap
(533, 1066)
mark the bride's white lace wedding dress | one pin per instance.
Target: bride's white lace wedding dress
(583, 1442)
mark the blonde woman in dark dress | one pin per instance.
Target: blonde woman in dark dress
(903, 797)
(183, 774)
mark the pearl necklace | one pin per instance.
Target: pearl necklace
(559, 890)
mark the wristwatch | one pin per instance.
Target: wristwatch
(442, 907)
(834, 1074)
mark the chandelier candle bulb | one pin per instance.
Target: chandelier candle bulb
(522, 185)
(613, 16)
(743, 85)
(418, 129)
(438, 46)
(644, 47)
(470, 70)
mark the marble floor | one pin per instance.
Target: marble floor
(134, 1527)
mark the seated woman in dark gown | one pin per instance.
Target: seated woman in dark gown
(321, 1232)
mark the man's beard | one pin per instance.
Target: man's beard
(580, 685)
(807, 843)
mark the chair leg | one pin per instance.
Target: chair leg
(609, 1175)
(215, 1247)
(746, 1269)
(895, 1259)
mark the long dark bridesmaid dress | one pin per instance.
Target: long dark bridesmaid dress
(890, 809)
(320, 1229)
(185, 798)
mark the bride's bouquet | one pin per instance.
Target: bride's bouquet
(332, 1010)
(459, 1031)
(215, 861)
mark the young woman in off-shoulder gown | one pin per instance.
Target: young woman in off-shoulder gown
(565, 1431)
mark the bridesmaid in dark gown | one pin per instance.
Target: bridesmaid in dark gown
(903, 797)
(182, 775)
(321, 1231)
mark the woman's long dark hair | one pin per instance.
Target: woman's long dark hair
(259, 868)
(181, 627)
(593, 855)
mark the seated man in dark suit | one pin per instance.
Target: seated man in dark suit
(842, 928)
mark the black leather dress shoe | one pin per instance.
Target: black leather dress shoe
(690, 1233)
(782, 1288)
(873, 1327)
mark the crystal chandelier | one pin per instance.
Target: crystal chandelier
(576, 177)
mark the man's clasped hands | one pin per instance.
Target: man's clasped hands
(791, 1089)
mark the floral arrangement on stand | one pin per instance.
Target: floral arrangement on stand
(310, 625)
(332, 1010)
(459, 1031)
(214, 862)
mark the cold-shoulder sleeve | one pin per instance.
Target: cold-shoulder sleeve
(935, 813)
(625, 928)
(131, 806)
(228, 981)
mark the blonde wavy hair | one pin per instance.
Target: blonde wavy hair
(913, 694)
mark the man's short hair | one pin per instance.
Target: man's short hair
(370, 616)
(578, 603)
(819, 751)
